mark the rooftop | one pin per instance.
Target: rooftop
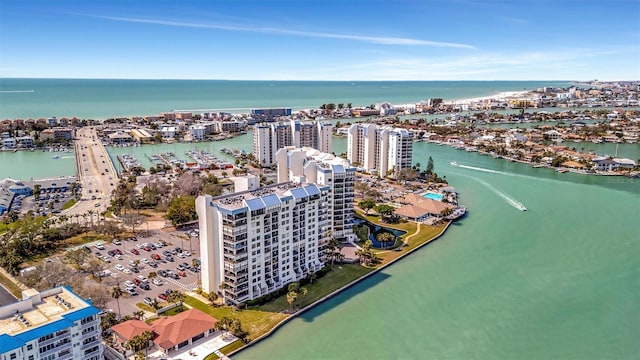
(38, 309)
(265, 196)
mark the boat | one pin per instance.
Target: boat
(55, 157)
(521, 207)
(453, 163)
(561, 170)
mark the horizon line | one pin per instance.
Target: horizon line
(293, 80)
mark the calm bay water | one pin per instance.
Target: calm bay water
(560, 281)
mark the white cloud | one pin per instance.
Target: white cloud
(383, 40)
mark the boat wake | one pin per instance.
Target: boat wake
(16, 91)
(508, 199)
(491, 171)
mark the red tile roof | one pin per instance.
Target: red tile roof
(176, 329)
(131, 328)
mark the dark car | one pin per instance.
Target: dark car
(135, 251)
(169, 258)
(180, 267)
(111, 252)
(162, 273)
(168, 292)
(166, 253)
(144, 286)
(178, 249)
(134, 269)
(86, 248)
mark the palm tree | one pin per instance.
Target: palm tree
(385, 237)
(138, 314)
(176, 297)
(116, 293)
(295, 292)
(91, 212)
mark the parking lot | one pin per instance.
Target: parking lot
(129, 263)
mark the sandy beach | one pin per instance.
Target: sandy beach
(505, 95)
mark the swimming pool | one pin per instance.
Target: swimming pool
(433, 196)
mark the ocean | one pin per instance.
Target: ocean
(102, 99)
(561, 280)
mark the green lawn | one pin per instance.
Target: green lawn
(256, 322)
(69, 204)
(13, 288)
(338, 277)
(226, 350)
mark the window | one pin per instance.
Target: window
(13, 356)
(30, 347)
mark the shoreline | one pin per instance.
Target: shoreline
(338, 291)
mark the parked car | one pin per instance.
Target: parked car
(144, 260)
(116, 242)
(162, 296)
(180, 267)
(166, 253)
(131, 292)
(129, 283)
(134, 269)
(148, 301)
(157, 282)
(135, 251)
(153, 264)
(99, 246)
(169, 258)
(142, 278)
(162, 273)
(117, 257)
(156, 256)
(119, 267)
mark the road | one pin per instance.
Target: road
(96, 173)
(6, 297)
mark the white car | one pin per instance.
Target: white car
(129, 283)
(144, 260)
(99, 246)
(157, 282)
(117, 256)
(158, 245)
(116, 242)
(140, 246)
(119, 267)
(186, 253)
(142, 278)
(181, 255)
(126, 271)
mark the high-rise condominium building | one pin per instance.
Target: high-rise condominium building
(51, 324)
(255, 242)
(313, 166)
(380, 150)
(269, 138)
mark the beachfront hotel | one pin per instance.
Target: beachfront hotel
(379, 150)
(253, 243)
(51, 324)
(269, 138)
(313, 166)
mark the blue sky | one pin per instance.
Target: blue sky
(322, 40)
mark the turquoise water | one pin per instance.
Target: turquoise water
(102, 99)
(433, 196)
(560, 281)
